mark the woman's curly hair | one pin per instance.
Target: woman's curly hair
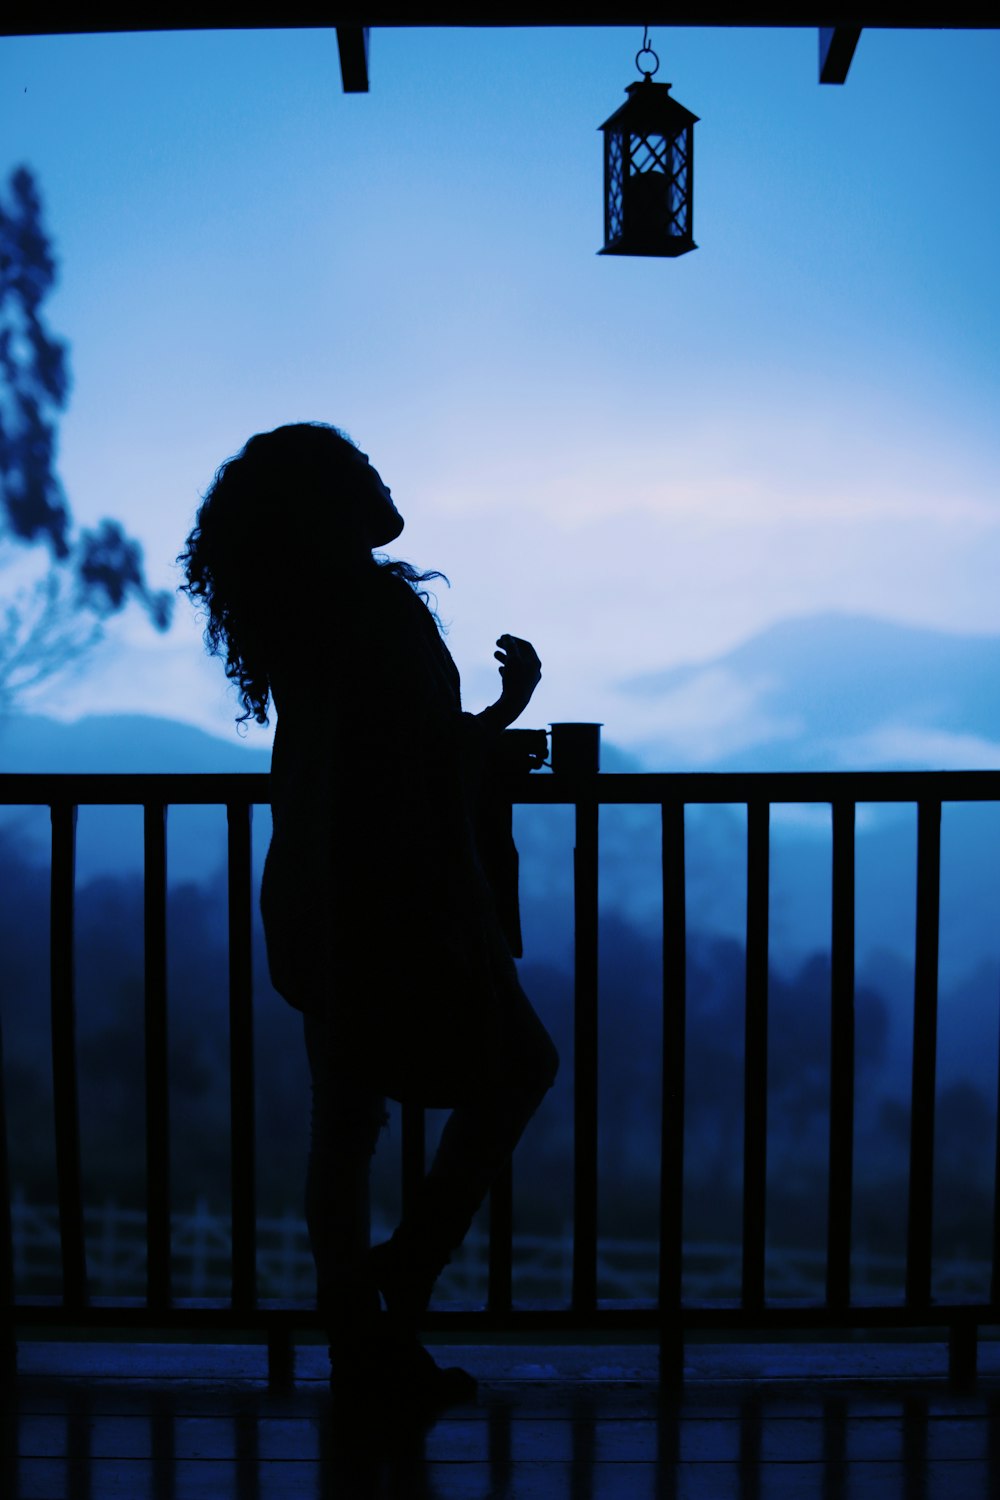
(270, 512)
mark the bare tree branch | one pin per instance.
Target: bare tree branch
(53, 623)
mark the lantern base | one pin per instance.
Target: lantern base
(679, 247)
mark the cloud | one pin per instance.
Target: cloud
(902, 746)
(783, 454)
(711, 716)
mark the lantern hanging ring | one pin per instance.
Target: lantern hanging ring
(644, 51)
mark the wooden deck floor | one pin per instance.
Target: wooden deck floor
(752, 1422)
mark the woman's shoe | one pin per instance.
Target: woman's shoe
(396, 1374)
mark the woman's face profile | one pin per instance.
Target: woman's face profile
(380, 521)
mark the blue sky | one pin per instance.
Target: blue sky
(633, 462)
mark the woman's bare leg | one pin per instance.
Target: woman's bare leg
(346, 1121)
(476, 1143)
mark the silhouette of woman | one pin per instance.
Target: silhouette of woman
(380, 924)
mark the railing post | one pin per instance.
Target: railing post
(840, 1185)
(242, 1144)
(755, 1055)
(501, 1242)
(280, 1357)
(672, 1108)
(925, 1005)
(65, 1091)
(995, 1269)
(585, 909)
(8, 1343)
(157, 1075)
(963, 1344)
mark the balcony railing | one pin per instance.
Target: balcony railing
(669, 1315)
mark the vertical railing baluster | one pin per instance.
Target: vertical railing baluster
(672, 1107)
(242, 1143)
(65, 1090)
(925, 1006)
(585, 1059)
(8, 1343)
(995, 1273)
(501, 1241)
(755, 1055)
(157, 1081)
(840, 1185)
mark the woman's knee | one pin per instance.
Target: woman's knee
(533, 1047)
(548, 1064)
(538, 1062)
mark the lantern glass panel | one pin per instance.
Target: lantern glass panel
(615, 169)
(661, 196)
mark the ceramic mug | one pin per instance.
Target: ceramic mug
(575, 749)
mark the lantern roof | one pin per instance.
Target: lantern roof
(649, 108)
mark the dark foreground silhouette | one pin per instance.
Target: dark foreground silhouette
(381, 925)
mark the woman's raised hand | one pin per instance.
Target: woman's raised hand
(520, 672)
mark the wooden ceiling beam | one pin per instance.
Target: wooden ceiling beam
(352, 44)
(75, 16)
(836, 49)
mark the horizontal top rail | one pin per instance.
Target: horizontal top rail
(39, 788)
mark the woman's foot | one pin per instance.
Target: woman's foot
(396, 1373)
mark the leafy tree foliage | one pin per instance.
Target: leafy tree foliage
(92, 574)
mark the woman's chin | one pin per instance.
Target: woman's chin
(390, 532)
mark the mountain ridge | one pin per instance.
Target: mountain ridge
(134, 742)
(828, 691)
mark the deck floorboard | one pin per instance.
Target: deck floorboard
(95, 1421)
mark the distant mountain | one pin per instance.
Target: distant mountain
(828, 691)
(122, 743)
(837, 692)
(109, 840)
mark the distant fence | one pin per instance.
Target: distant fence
(201, 1260)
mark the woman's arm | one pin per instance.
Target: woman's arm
(520, 674)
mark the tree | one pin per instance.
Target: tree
(53, 621)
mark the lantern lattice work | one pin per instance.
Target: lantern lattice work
(649, 174)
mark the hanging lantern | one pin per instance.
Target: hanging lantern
(649, 170)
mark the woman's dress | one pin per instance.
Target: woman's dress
(374, 900)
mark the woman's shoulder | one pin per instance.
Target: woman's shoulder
(393, 603)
